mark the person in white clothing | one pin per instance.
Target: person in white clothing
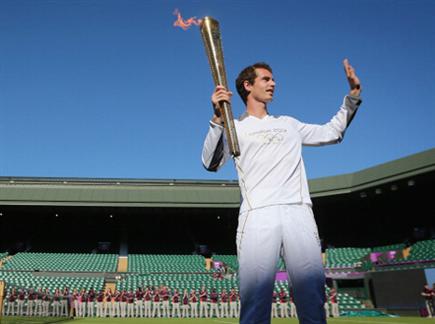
(275, 214)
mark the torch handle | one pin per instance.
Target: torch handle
(230, 129)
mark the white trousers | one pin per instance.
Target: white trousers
(38, 307)
(194, 309)
(165, 308)
(139, 308)
(214, 308)
(156, 309)
(147, 308)
(90, 309)
(233, 309)
(11, 309)
(263, 235)
(283, 308)
(335, 311)
(30, 308)
(20, 307)
(224, 309)
(176, 308)
(293, 312)
(64, 307)
(185, 311)
(108, 309)
(274, 310)
(203, 309)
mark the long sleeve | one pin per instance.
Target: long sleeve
(215, 150)
(333, 131)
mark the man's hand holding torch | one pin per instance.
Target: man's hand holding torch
(219, 95)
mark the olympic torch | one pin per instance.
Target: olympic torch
(213, 46)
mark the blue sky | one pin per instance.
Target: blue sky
(111, 89)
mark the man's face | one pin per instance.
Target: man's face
(264, 86)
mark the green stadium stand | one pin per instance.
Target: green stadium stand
(229, 260)
(345, 257)
(76, 262)
(391, 247)
(145, 263)
(28, 280)
(423, 250)
(179, 281)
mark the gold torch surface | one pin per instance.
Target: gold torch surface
(211, 37)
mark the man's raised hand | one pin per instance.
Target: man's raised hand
(354, 83)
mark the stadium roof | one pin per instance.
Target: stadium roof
(37, 191)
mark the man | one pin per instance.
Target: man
(185, 307)
(193, 304)
(74, 304)
(123, 303)
(224, 303)
(65, 296)
(108, 303)
(427, 294)
(147, 302)
(293, 312)
(326, 306)
(333, 298)
(433, 296)
(11, 302)
(275, 214)
(214, 303)
(233, 303)
(20, 302)
(30, 301)
(283, 307)
(176, 304)
(38, 302)
(81, 310)
(274, 304)
(90, 303)
(166, 295)
(46, 301)
(130, 303)
(139, 302)
(156, 303)
(100, 303)
(116, 311)
(203, 304)
(56, 302)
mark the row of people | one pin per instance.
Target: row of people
(148, 302)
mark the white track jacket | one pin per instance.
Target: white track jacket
(270, 166)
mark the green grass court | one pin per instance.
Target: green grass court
(343, 320)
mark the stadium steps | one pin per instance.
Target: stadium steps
(110, 286)
(4, 257)
(122, 264)
(2, 295)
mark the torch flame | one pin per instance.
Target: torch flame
(185, 24)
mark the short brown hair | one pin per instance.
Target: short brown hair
(249, 74)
